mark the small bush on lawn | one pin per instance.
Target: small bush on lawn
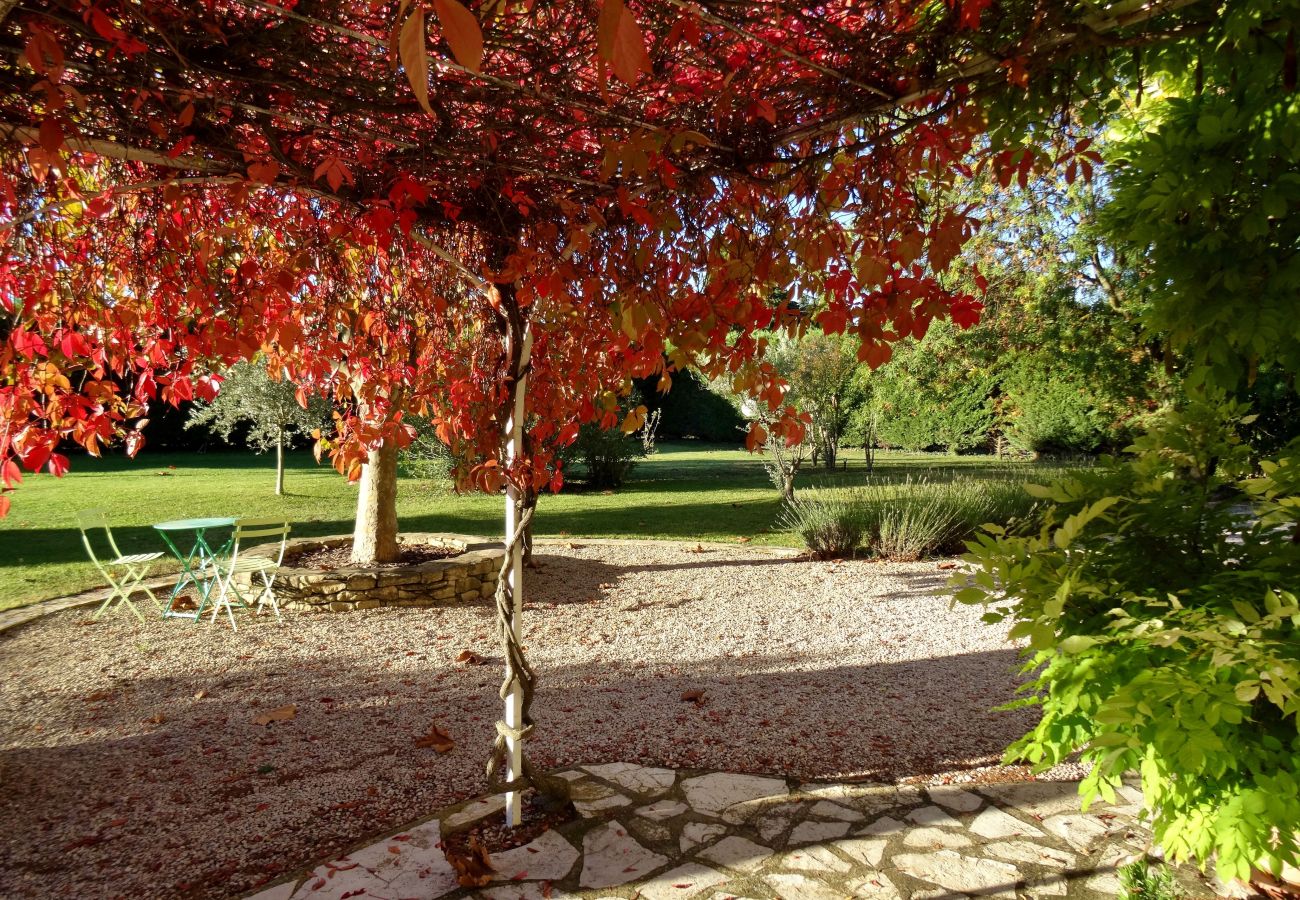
(829, 521)
(905, 520)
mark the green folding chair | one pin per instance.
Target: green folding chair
(124, 573)
(257, 569)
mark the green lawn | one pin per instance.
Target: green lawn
(685, 491)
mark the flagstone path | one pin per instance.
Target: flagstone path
(657, 834)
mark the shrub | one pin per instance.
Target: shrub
(829, 521)
(905, 520)
(910, 527)
(607, 455)
(1163, 635)
(692, 410)
(925, 517)
(1051, 413)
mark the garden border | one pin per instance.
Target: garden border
(22, 615)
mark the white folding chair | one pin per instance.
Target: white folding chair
(125, 573)
(256, 568)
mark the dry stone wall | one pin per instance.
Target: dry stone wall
(465, 578)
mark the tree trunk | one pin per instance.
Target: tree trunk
(279, 463)
(375, 536)
(787, 483)
(529, 505)
(829, 455)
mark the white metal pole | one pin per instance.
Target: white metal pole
(515, 697)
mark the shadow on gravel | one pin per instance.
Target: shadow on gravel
(122, 745)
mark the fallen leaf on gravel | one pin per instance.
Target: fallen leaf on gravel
(280, 714)
(699, 548)
(473, 866)
(200, 695)
(743, 540)
(696, 697)
(469, 656)
(575, 546)
(97, 696)
(156, 719)
(436, 739)
(947, 565)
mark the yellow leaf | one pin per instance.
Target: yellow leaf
(280, 714)
(462, 32)
(634, 420)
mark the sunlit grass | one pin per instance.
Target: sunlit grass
(684, 492)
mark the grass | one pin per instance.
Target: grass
(1141, 881)
(684, 491)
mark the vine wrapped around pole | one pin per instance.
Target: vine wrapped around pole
(519, 685)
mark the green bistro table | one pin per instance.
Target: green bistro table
(194, 564)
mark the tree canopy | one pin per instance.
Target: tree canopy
(183, 184)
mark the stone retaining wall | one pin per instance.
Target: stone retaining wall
(465, 578)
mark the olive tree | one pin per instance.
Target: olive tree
(267, 407)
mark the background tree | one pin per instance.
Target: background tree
(932, 395)
(863, 428)
(689, 410)
(266, 411)
(820, 370)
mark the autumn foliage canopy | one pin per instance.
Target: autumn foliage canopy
(376, 195)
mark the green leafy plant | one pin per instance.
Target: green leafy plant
(1142, 881)
(1164, 635)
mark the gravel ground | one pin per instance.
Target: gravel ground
(132, 765)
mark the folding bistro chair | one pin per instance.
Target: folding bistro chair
(124, 573)
(256, 568)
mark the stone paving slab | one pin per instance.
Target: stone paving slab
(657, 834)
